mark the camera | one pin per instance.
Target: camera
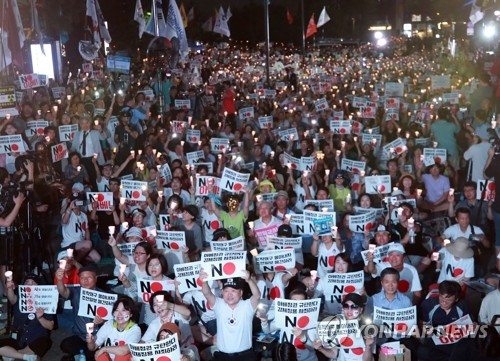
(80, 203)
(494, 140)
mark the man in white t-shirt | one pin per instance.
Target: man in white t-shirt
(464, 229)
(234, 317)
(409, 281)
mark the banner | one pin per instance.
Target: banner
(393, 89)
(104, 200)
(59, 151)
(164, 222)
(337, 285)
(490, 190)
(29, 81)
(11, 144)
(171, 240)
(301, 314)
(274, 242)
(395, 322)
(118, 64)
(33, 297)
(235, 244)
(379, 254)
(202, 183)
(368, 112)
(132, 190)
(274, 261)
(221, 265)
(233, 181)
(146, 287)
(453, 332)
(392, 103)
(378, 184)
(188, 276)
(165, 350)
(96, 303)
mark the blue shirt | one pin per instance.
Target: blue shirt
(399, 301)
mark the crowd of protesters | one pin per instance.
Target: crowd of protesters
(437, 215)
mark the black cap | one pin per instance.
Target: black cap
(219, 233)
(192, 210)
(355, 298)
(285, 231)
(236, 283)
(32, 276)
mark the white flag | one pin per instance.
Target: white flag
(139, 17)
(162, 26)
(6, 57)
(323, 18)
(208, 25)
(98, 26)
(19, 23)
(228, 13)
(175, 28)
(221, 26)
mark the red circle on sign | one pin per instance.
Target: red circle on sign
(331, 261)
(491, 186)
(100, 197)
(72, 135)
(163, 358)
(368, 110)
(401, 327)
(403, 286)
(368, 226)
(237, 186)
(355, 124)
(303, 321)
(342, 130)
(391, 101)
(229, 268)
(381, 188)
(156, 287)
(355, 170)
(288, 247)
(357, 351)
(29, 77)
(121, 342)
(214, 224)
(144, 233)
(59, 148)
(355, 186)
(437, 160)
(274, 293)
(280, 268)
(184, 106)
(28, 289)
(195, 139)
(349, 289)
(457, 272)
(15, 147)
(174, 245)
(221, 147)
(299, 344)
(346, 341)
(40, 131)
(294, 166)
(102, 312)
(199, 282)
(136, 194)
(399, 150)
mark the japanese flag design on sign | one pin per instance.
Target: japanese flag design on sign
(451, 98)
(58, 152)
(67, 132)
(193, 136)
(233, 181)
(182, 104)
(337, 285)
(222, 265)
(104, 200)
(294, 313)
(359, 102)
(202, 185)
(219, 145)
(363, 222)
(378, 184)
(379, 254)
(11, 144)
(35, 128)
(395, 148)
(235, 244)
(173, 241)
(133, 190)
(395, 322)
(146, 287)
(453, 332)
(340, 127)
(270, 94)
(59, 92)
(338, 115)
(434, 156)
(28, 81)
(289, 134)
(188, 276)
(266, 122)
(321, 105)
(166, 350)
(246, 113)
(178, 126)
(391, 103)
(488, 187)
(291, 161)
(307, 164)
(33, 297)
(345, 335)
(87, 67)
(194, 157)
(96, 303)
(392, 114)
(353, 166)
(368, 112)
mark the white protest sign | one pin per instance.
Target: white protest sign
(127, 249)
(246, 113)
(321, 104)
(95, 303)
(165, 350)
(182, 104)
(67, 132)
(340, 126)
(210, 166)
(178, 126)
(392, 103)
(359, 102)
(368, 112)
(290, 134)
(165, 174)
(453, 332)
(371, 139)
(187, 274)
(11, 144)
(378, 184)
(307, 164)
(170, 240)
(451, 98)
(261, 234)
(164, 222)
(337, 116)
(33, 297)
(274, 260)
(392, 114)
(440, 82)
(337, 285)
(132, 190)
(489, 189)
(363, 222)
(395, 148)
(35, 127)
(291, 161)
(269, 93)
(342, 333)
(203, 182)
(193, 157)
(311, 216)
(322, 203)
(393, 89)
(193, 136)
(233, 181)
(293, 313)
(221, 265)
(297, 223)
(266, 122)
(219, 145)
(379, 254)
(28, 81)
(146, 287)
(58, 92)
(395, 322)
(58, 152)
(434, 155)
(354, 166)
(104, 200)
(274, 242)
(236, 244)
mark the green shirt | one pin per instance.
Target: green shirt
(234, 224)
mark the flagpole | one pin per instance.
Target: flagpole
(303, 27)
(4, 55)
(154, 13)
(266, 14)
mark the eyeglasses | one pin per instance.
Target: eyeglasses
(140, 253)
(350, 307)
(155, 265)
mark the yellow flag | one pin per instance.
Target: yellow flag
(183, 15)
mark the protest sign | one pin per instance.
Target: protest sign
(274, 242)
(165, 350)
(395, 322)
(58, 152)
(221, 265)
(293, 313)
(8, 101)
(354, 166)
(291, 161)
(321, 204)
(363, 222)
(297, 223)
(261, 234)
(274, 260)
(178, 126)
(193, 157)
(321, 104)
(378, 184)
(434, 156)
(133, 190)
(146, 287)
(288, 135)
(104, 200)
(307, 164)
(336, 285)
(29, 81)
(379, 254)
(170, 240)
(489, 190)
(219, 145)
(33, 297)
(35, 128)
(235, 244)
(395, 148)
(393, 89)
(340, 126)
(391, 103)
(371, 139)
(233, 181)
(246, 113)
(266, 122)
(165, 174)
(311, 216)
(453, 332)
(127, 249)
(182, 104)
(368, 112)
(95, 303)
(188, 276)
(440, 82)
(193, 136)
(203, 182)
(11, 144)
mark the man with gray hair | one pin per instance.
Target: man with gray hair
(265, 225)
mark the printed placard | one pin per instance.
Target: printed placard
(434, 155)
(368, 112)
(33, 297)
(354, 166)
(453, 332)
(392, 114)
(233, 181)
(266, 122)
(188, 276)
(321, 105)
(393, 89)
(392, 103)
(133, 190)
(270, 93)
(67, 132)
(440, 82)
(261, 234)
(165, 174)
(193, 157)
(222, 265)
(395, 148)
(35, 128)
(291, 161)
(127, 249)
(11, 144)
(236, 244)
(294, 313)
(171, 240)
(371, 139)
(96, 303)
(29, 81)
(202, 184)
(182, 104)
(146, 287)
(307, 164)
(395, 322)
(337, 285)
(58, 152)
(297, 223)
(378, 184)
(167, 349)
(337, 116)
(219, 145)
(343, 334)
(311, 216)
(379, 254)
(340, 126)
(266, 197)
(58, 92)
(178, 126)
(489, 190)
(274, 260)
(193, 136)
(274, 242)
(288, 135)
(363, 222)
(358, 102)
(8, 101)
(246, 113)
(322, 204)
(451, 98)
(164, 222)
(104, 200)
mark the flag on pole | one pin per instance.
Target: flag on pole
(221, 26)
(162, 26)
(175, 28)
(98, 27)
(183, 16)
(139, 17)
(289, 17)
(208, 25)
(35, 25)
(311, 27)
(191, 14)
(228, 13)
(13, 27)
(323, 18)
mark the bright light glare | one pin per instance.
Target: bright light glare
(489, 31)
(378, 35)
(497, 13)
(42, 64)
(382, 42)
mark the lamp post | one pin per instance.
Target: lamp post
(266, 14)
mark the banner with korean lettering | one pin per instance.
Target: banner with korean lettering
(297, 223)
(288, 135)
(127, 249)
(178, 126)
(246, 113)
(33, 297)
(233, 181)
(440, 82)
(350, 165)
(235, 244)
(311, 216)
(58, 152)
(378, 184)
(294, 313)
(67, 132)
(395, 322)
(11, 144)
(170, 240)
(146, 287)
(363, 222)
(274, 260)
(221, 265)
(203, 182)
(95, 303)
(188, 276)
(379, 253)
(307, 164)
(337, 285)
(165, 350)
(340, 126)
(325, 205)
(29, 81)
(193, 136)
(434, 156)
(274, 242)
(59, 92)
(321, 104)
(35, 128)
(104, 200)
(291, 161)
(219, 145)
(133, 190)
(266, 122)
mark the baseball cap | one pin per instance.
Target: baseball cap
(285, 231)
(219, 233)
(381, 228)
(78, 187)
(355, 298)
(282, 194)
(134, 232)
(396, 247)
(236, 283)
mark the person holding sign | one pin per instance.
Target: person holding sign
(166, 331)
(457, 262)
(302, 188)
(265, 225)
(234, 219)
(326, 251)
(234, 317)
(112, 339)
(32, 329)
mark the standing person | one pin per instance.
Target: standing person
(478, 155)
(445, 129)
(228, 98)
(234, 219)
(491, 170)
(234, 317)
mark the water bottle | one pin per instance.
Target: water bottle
(81, 356)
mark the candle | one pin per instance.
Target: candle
(314, 275)
(160, 298)
(435, 256)
(362, 173)
(493, 124)
(327, 172)
(451, 191)
(288, 217)
(254, 252)
(337, 153)
(348, 198)
(132, 153)
(96, 122)
(160, 194)
(334, 231)
(400, 211)
(173, 205)
(446, 242)
(8, 276)
(305, 173)
(123, 267)
(324, 209)
(62, 264)
(70, 252)
(79, 168)
(114, 150)
(125, 226)
(411, 222)
(111, 230)
(419, 192)
(250, 224)
(90, 327)
(372, 247)
(342, 144)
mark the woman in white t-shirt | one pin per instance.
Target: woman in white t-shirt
(136, 263)
(113, 337)
(326, 252)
